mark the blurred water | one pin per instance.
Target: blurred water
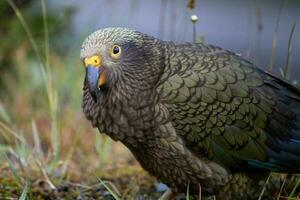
(231, 24)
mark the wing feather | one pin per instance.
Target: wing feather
(221, 104)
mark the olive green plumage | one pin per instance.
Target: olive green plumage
(194, 114)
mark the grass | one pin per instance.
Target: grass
(275, 37)
(24, 192)
(114, 194)
(39, 132)
(47, 146)
(187, 195)
(287, 66)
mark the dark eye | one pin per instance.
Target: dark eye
(115, 51)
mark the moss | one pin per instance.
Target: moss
(9, 188)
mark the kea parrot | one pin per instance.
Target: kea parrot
(193, 115)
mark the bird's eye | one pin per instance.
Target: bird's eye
(115, 51)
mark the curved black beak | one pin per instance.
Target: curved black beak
(92, 76)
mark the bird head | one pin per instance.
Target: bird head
(119, 56)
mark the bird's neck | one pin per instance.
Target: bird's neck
(124, 115)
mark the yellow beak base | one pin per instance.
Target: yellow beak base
(102, 79)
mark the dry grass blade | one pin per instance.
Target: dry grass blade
(45, 174)
(200, 192)
(281, 188)
(264, 188)
(46, 38)
(294, 190)
(52, 97)
(37, 140)
(7, 129)
(3, 114)
(69, 155)
(6, 137)
(3, 126)
(187, 196)
(274, 41)
(287, 70)
(46, 73)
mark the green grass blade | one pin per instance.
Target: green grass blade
(44, 67)
(4, 134)
(30, 37)
(187, 196)
(287, 66)
(294, 189)
(46, 37)
(52, 95)
(26, 28)
(24, 192)
(108, 189)
(37, 140)
(103, 146)
(4, 116)
(4, 127)
(3, 149)
(13, 170)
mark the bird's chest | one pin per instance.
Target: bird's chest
(124, 122)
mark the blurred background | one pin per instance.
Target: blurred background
(43, 133)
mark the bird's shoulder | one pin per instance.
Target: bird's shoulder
(194, 69)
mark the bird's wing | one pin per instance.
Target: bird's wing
(231, 112)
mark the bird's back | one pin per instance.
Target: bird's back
(226, 109)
